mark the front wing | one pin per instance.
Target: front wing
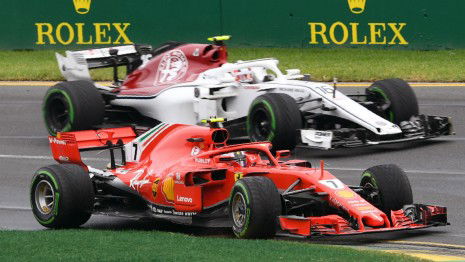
(411, 217)
(424, 127)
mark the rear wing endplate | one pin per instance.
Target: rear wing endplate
(75, 65)
(66, 147)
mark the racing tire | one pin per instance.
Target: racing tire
(274, 117)
(400, 97)
(62, 196)
(387, 187)
(74, 105)
(254, 207)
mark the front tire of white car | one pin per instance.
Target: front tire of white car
(395, 98)
(274, 117)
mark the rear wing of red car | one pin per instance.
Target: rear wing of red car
(67, 147)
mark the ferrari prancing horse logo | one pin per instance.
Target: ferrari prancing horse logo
(238, 176)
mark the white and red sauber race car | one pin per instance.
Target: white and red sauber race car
(185, 83)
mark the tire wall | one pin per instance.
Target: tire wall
(426, 24)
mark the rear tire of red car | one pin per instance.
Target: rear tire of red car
(387, 187)
(398, 96)
(74, 105)
(254, 207)
(62, 196)
(274, 117)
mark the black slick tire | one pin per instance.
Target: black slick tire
(399, 94)
(274, 117)
(70, 106)
(262, 205)
(389, 187)
(62, 196)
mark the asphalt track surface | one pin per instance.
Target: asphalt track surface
(436, 169)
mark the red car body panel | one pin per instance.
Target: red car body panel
(180, 170)
(336, 225)
(179, 65)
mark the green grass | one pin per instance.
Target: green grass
(350, 64)
(347, 64)
(104, 245)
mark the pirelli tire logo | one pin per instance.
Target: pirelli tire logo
(357, 32)
(82, 33)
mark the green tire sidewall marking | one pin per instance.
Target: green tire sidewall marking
(70, 106)
(383, 94)
(273, 118)
(57, 201)
(244, 190)
(57, 196)
(370, 178)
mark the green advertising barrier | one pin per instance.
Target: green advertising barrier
(92, 23)
(425, 24)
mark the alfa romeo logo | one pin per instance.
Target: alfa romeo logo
(172, 67)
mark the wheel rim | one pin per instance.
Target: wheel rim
(44, 197)
(57, 109)
(239, 210)
(373, 194)
(384, 104)
(261, 124)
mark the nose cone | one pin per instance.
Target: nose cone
(373, 220)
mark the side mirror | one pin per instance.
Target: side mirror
(283, 154)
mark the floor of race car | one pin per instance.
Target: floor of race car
(436, 169)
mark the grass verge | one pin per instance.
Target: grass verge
(103, 245)
(347, 64)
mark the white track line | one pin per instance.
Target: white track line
(451, 138)
(26, 157)
(21, 84)
(48, 158)
(19, 102)
(443, 105)
(444, 172)
(450, 172)
(15, 208)
(23, 137)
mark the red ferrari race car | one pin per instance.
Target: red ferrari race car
(189, 175)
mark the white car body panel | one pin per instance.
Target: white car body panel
(178, 104)
(219, 93)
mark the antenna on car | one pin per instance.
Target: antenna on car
(334, 86)
(219, 40)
